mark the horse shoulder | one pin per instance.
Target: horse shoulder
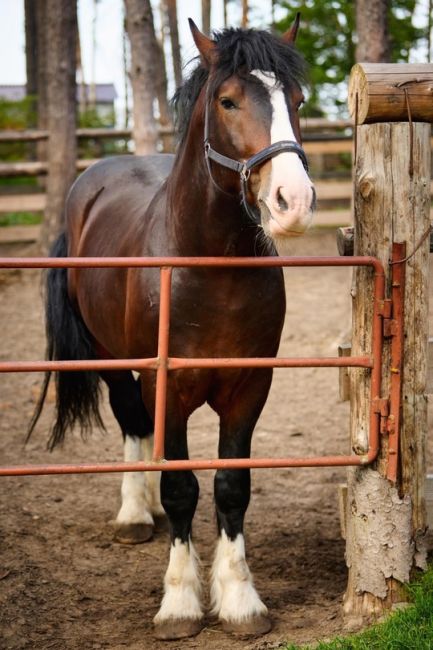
(116, 190)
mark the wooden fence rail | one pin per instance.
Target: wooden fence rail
(32, 135)
(321, 137)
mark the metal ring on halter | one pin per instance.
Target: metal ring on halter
(245, 173)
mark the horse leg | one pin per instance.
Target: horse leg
(234, 598)
(180, 614)
(140, 492)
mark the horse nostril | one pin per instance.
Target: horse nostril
(282, 203)
(314, 200)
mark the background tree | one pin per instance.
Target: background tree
(429, 30)
(41, 72)
(225, 3)
(205, 15)
(171, 9)
(30, 21)
(165, 120)
(372, 30)
(244, 19)
(58, 33)
(327, 37)
(141, 33)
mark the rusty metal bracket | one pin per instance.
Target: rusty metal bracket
(395, 330)
(384, 308)
(381, 406)
(389, 408)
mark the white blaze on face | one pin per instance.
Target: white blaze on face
(290, 193)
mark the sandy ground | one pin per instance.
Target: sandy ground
(65, 584)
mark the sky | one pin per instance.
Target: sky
(108, 58)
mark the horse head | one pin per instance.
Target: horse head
(251, 126)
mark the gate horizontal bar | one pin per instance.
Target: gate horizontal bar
(176, 465)
(176, 363)
(187, 262)
(162, 363)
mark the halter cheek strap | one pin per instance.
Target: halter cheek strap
(244, 168)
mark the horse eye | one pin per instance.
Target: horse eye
(300, 104)
(227, 103)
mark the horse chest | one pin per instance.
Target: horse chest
(237, 314)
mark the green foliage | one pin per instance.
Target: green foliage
(326, 38)
(17, 114)
(407, 629)
(20, 219)
(90, 118)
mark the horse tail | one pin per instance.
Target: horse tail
(77, 392)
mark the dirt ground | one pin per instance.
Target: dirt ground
(65, 584)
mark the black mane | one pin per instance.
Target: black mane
(240, 50)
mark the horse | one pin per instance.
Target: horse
(238, 185)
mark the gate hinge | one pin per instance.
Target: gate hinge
(381, 406)
(390, 327)
(384, 308)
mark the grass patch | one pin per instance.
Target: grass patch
(406, 629)
(20, 219)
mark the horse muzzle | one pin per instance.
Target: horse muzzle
(288, 203)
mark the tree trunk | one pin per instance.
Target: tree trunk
(60, 34)
(244, 20)
(125, 64)
(205, 16)
(429, 30)
(161, 81)
(141, 34)
(273, 14)
(373, 44)
(225, 3)
(82, 94)
(386, 522)
(41, 76)
(31, 47)
(171, 8)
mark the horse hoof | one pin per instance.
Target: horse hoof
(180, 628)
(254, 626)
(133, 533)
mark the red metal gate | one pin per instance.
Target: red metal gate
(163, 364)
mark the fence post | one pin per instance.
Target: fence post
(386, 522)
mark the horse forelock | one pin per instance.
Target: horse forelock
(240, 51)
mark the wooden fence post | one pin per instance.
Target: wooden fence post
(386, 522)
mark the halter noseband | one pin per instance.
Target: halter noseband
(244, 168)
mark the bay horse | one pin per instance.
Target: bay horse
(237, 185)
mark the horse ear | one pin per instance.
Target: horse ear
(290, 35)
(205, 45)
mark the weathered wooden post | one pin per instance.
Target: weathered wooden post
(392, 106)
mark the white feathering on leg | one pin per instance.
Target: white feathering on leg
(182, 585)
(153, 480)
(233, 594)
(135, 507)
